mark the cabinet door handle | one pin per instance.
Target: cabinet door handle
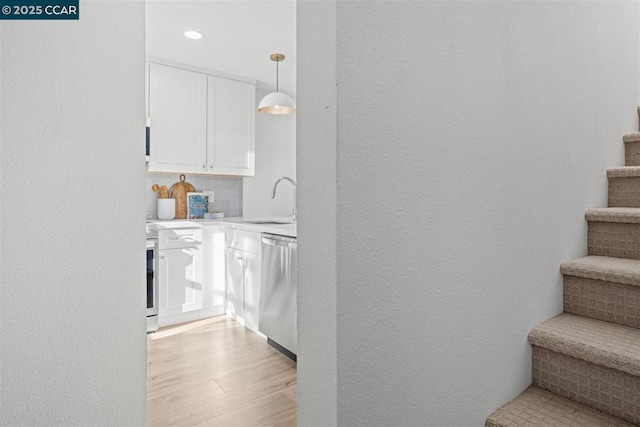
(238, 258)
(183, 238)
(204, 167)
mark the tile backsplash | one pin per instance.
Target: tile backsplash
(228, 191)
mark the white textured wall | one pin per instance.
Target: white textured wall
(317, 213)
(471, 138)
(275, 157)
(72, 317)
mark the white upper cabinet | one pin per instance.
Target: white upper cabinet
(146, 90)
(178, 112)
(231, 132)
(200, 123)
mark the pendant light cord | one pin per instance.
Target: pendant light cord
(277, 73)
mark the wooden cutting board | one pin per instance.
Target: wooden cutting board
(179, 192)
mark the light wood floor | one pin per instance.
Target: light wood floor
(214, 372)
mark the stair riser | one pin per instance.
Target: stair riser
(608, 390)
(624, 192)
(614, 239)
(597, 299)
(536, 407)
(632, 154)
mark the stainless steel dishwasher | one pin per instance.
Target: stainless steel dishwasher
(278, 293)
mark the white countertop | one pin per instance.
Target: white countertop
(271, 225)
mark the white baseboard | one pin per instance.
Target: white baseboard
(190, 316)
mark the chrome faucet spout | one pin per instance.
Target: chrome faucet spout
(294, 212)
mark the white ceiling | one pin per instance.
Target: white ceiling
(238, 36)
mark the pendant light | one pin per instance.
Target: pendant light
(277, 102)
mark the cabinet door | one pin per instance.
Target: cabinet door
(235, 282)
(231, 127)
(180, 281)
(146, 90)
(214, 267)
(178, 115)
(251, 289)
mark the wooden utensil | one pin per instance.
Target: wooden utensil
(156, 188)
(179, 192)
(163, 192)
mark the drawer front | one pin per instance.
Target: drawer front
(248, 241)
(179, 238)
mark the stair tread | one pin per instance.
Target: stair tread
(537, 407)
(624, 172)
(627, 215)
(603, 343)
(631, 137)
(610, 269)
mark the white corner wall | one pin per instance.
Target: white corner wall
(317, 212)
(275, 157)
(471, 138)
(72, 317)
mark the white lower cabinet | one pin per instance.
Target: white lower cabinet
(190, 275)
(214, 265)
(181, 286)
(243, 276)
(251, 289)
(235, 283)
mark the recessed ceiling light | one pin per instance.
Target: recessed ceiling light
(193, 35)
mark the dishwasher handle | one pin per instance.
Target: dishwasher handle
(281, 241)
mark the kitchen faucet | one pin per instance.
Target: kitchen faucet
(294, 213)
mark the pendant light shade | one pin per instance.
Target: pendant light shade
(277, 102)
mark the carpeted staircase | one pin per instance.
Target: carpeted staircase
(586, 361)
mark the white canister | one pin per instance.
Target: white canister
(166, 208)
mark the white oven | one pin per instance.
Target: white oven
(152, 284)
